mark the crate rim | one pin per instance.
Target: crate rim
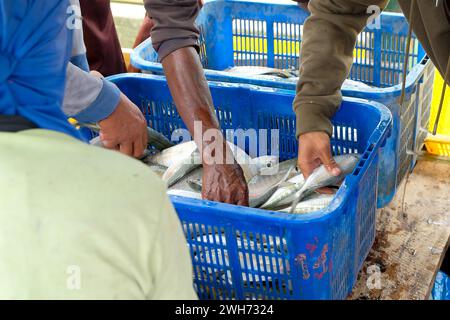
(375, 141)
(372, 92)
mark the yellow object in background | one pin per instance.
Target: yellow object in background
(444, 122)
(440, 143)
(126, 55)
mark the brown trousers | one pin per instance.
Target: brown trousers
(104, 53)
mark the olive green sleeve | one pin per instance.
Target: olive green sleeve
(329, 38)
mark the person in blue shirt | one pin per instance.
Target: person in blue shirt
(89, 98)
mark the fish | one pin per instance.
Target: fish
(96, 142)
(290, 75)
(260, 187)
(180, 169)
(184, 193)
(261, 71)
(352, 84)
(280, 166)
(320, 177)
(159, 170)
(158, 140)
(285, 194)
(313, 203)
(262, 244)
(185, 157)
(195, 184)
(173, 155)
(154, 138)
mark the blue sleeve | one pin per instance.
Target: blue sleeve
(88, 98)
(103, 106)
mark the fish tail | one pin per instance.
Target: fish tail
(158, 140)
(93, 126)
(297, 200)
(194, 185)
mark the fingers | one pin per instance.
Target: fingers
(244, 201)
(126, 148)
(125, 129)
(314, 149)
(109, 143)
(227, 194)
(307, 166)
(329, 162)
(225, 183)
(139, 147)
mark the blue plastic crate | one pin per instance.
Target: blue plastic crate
(245, 253)
(226, 25)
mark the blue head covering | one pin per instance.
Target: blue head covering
(35, 46)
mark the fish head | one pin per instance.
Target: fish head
(266, 165)
(347, 162)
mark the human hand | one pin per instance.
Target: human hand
(313, 150)
(223, 177)
(125, 129)
(225, 183)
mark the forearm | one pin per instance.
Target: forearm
(144, 31)
(190, 91)
(329, 38)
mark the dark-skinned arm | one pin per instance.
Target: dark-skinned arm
(222, 180)
(174, 37)
(329, 38)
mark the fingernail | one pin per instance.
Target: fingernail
(336, 171)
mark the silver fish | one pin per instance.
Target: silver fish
(290, 75)
(195, 184)
(96, 142)
(285, 194)
(283, 166)
(258, 244)
(159, 170)
(260, 71)
(184, 151)
(173, 155)
(155, 139)
(180, 169)
(184, 193)
(260, 187)
(207, 256)
(322, 178)
(184, 158)
(314, 203)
